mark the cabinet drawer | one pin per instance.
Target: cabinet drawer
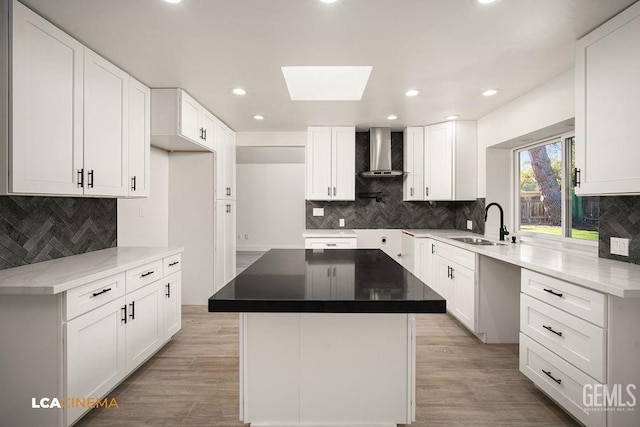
(92, 295)
(577, 341)
(459, 256)
(582, 302)
(540, 365)
(143, 275)
(331, 243)
(172, 264)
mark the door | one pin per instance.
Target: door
(106, 114)
(318, 280)
(318, 164)
(209, 124)
(443, 281)
(343, 163)
(343, 285)
(413, 188)
(426, 250)
(190, 118)
(144, 323)
(172, 305)
(95, 359)
(438, 161)
(139, 138)
(47, 107)
(230, 242)
(464, 307)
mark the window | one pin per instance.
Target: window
(546, 200)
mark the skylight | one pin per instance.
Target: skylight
(330, 83)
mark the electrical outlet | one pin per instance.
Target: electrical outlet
(469, 224)
(318, 211)
(341, 222)
(619, 246)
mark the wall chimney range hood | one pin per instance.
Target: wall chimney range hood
(380, 155)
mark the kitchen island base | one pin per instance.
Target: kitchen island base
(327, 369)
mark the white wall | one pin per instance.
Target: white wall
(545, 106)
(145, 222)
(192, 221)
(272, 139)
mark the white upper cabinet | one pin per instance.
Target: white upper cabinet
(106, 135)
(139, 134)
(440, 162)
(180, 123)
(225, 162)
(330, 163)
(608, 107)
(450, 161)
(46, 139)
(69, 109)
(413, 159)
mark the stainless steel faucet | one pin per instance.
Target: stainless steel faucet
(503, 229)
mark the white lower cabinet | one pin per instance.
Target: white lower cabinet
(144, 323)
(95, 357)
(331, 242)
(172, 304)
(225, 243)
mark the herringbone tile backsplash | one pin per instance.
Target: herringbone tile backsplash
(34, 229)
(620, 217)
(391, 211)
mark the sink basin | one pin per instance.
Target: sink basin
(476, 241)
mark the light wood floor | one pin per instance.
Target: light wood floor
(193, 380)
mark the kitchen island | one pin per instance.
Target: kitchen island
(327, 337)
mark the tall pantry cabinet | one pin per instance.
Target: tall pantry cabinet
(225, 249)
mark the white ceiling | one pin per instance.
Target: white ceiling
(451, 50)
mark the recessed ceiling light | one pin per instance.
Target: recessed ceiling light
(258, 117)
(486, 1)
(412, 92)
(326, 83)
(392, 117)
(173, 1)
(239, 91)
(490, 92)
(454, 117)
(328, 1)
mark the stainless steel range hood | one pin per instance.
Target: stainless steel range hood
(380, 155)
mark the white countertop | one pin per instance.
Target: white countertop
(604, 275)
(62, 274)
(329, 233)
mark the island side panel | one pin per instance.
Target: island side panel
(339, 368)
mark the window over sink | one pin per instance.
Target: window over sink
(545, 200)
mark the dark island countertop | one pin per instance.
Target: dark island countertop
(327, 281)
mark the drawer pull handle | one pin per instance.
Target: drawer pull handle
(332, 244)
(548, 373)
(552, 293)
(104, 291)
(550, 329)
(148, 273)
(171, 264)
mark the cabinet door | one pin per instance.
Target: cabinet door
(318, 164)
(106, 115)
(343, 163)
(47, 107)
(95, 359)
(443, 281)
(144, 323)
(139, 138)
(230, 242)
(426, 250)
(343, 285)
(413, 153)
(230, 163)
(438, 161)
(318, 279)
(464, 300)
(608, 107)
(172, 305)
(224, 170)
(407, 243)
(208, 133)
(190, 118)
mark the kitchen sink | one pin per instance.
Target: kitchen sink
(476, 241)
